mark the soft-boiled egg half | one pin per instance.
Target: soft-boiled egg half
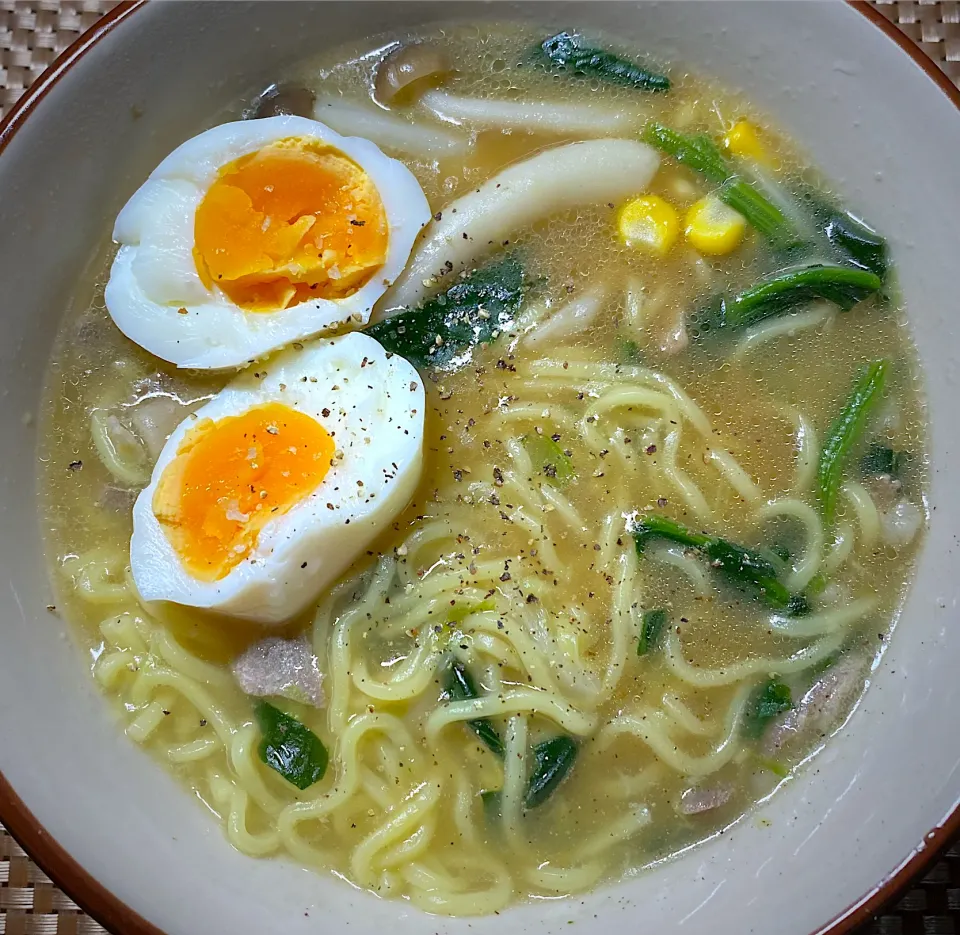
(258, 233)
(261, 498)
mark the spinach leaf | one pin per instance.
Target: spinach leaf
(846, 431)
(746, 568)
(651, 626)
(767, 701)
(442, 331)
(459, 686)
(852, 239)
(568, 52)
(553, 759)
(785, 291)
(492, 804)
(289, 747)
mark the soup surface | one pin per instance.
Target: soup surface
(532, 680)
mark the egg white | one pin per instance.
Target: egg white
(154, 274)
(375, 406)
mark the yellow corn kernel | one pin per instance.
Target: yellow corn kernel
(649, 222)
(714, 228)
(743, 140)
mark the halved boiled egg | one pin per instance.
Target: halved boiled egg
(258, 233)
(262, 497)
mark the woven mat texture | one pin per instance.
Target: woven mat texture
(32, 34)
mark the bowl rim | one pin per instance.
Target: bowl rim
(117, 916)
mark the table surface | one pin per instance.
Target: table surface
(32, 34)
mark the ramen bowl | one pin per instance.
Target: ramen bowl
(118, 833)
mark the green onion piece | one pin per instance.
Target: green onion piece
(767, 701)
(852, 239)
(468, 314)
(549, 458)
(459, 686)
(651, 626)
(289, 747)
(553, 759)
(845, 432)
(567, 52)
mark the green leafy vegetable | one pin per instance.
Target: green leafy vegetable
(703, 156)
(441, 331)
(761, 213)
(851, 238)
(652, 526)
(289, 747)
(853, 241)
(781, 551)
(863, 245)
(783, 292)
(567, 52)
(459, 686)
(767, 701)
(651, 626)
(697, 151)
(744, 567)
(881, 459)
(492, 803)
(846, 431)
(553, 760)
(549, 458)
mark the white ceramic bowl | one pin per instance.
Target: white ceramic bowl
(118, 832)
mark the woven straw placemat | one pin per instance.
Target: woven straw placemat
(32, 34)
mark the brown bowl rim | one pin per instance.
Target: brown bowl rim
(114, 914)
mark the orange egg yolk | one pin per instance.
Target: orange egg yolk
(231, 477)
(296, 220)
